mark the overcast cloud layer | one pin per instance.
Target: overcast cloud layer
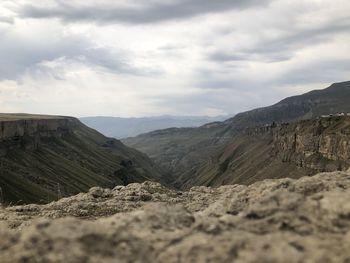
(155, 57)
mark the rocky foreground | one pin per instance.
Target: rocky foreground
(285, 220)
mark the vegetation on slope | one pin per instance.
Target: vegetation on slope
(68, 163)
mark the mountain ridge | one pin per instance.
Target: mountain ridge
(47, 157)
(182, 152)
(305, 106)
(127, 127)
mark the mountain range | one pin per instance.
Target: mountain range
(227, 150)
(128, 127)
(44, 158)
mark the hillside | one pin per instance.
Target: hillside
(43, 158)
(129, 127)
(332, 100)
(280, 220)
(184, 152)
(292, 150)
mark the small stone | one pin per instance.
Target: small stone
(96, 192)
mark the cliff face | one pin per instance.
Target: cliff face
(43, 158)
(294, 150)
(42, 127)
(28, 133)
(321, 145)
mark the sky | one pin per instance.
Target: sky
(179, 57)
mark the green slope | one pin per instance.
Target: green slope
(69, 164)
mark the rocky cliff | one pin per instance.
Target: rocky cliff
(281, 220)
(43, 158)
(321, 145)
(268, 151)
(22, 131)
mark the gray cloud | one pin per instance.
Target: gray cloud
(115, 61)
(323, 71)
(222, 56)
(233, 100)
(20, 55)
(146, 12)
(218, 63)
(258, 54)
(205, 79)
(6, 19)
(284, 47)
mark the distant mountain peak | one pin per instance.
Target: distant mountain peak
(127, 127)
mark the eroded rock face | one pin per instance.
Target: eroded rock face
(285, 220)
(274, 151)
(27, 133)
(321, 145)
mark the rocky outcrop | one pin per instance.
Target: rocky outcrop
(284, 220)
(320, 145)
(27, 133)
(34, 127)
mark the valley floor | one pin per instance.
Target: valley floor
(280, 220)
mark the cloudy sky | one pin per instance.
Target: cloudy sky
(155, 57)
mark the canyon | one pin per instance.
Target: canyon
(269, 185)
